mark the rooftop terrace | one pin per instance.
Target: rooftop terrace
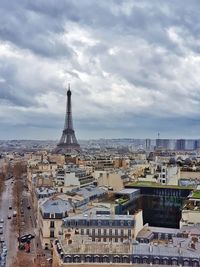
(196, 194)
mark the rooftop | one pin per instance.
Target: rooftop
(127, 191)
(90, 191)
(196, 194)
(84, 246)
(44, 191)
(169, 250)
(154, 184)
(55, 206)
(99, 213)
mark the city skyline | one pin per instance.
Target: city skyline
(133, 68)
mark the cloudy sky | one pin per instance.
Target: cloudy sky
(133, 66)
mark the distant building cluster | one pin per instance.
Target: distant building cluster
(113, 202)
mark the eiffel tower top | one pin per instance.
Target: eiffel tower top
(68, 142)
(69, 93)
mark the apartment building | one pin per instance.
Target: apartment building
(71, 176)
(51, 213)
(103, 226)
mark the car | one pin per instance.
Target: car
(1, 221)
(50, 260)
(10, 207)
(3, 261)
(5, 250)
(28, 207)
(30, 236)
(25, 238)
(1, 231)
(9, 217)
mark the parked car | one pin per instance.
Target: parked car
(9, 217)
(25, 238)
(14, 213)
(1, 221)
(10, 207)
(1, 231)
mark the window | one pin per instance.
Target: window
(51, 233)
(99, 231)
(116, 231)
(129, 233)
(52, 224)
(122, 232)
(82, 231)
(110, 231)
(104, 231)
(87, 231)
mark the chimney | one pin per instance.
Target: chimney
(193, 245)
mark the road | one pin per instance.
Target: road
(28, 223)
(8, 234)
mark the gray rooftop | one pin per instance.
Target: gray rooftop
(168, 250)
(128, 191)
(56, 206)
(44, 191)
(100, 213)
(91, 191)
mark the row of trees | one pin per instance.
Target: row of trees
(18, 171)
(2, 182)
(22, 258)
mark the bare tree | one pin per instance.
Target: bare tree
(2, 182)
(17, 196)
(25, 260)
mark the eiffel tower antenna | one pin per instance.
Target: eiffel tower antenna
(68, 142)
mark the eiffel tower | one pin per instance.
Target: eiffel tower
(68, 142)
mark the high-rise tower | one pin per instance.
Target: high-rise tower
(68, 142)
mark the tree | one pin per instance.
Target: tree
(17, 195)
(23, 259)
(2, 182)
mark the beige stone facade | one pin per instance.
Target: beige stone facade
(109, 179)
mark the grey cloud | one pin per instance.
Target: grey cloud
(123, 64)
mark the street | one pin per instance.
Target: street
(8, 234)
